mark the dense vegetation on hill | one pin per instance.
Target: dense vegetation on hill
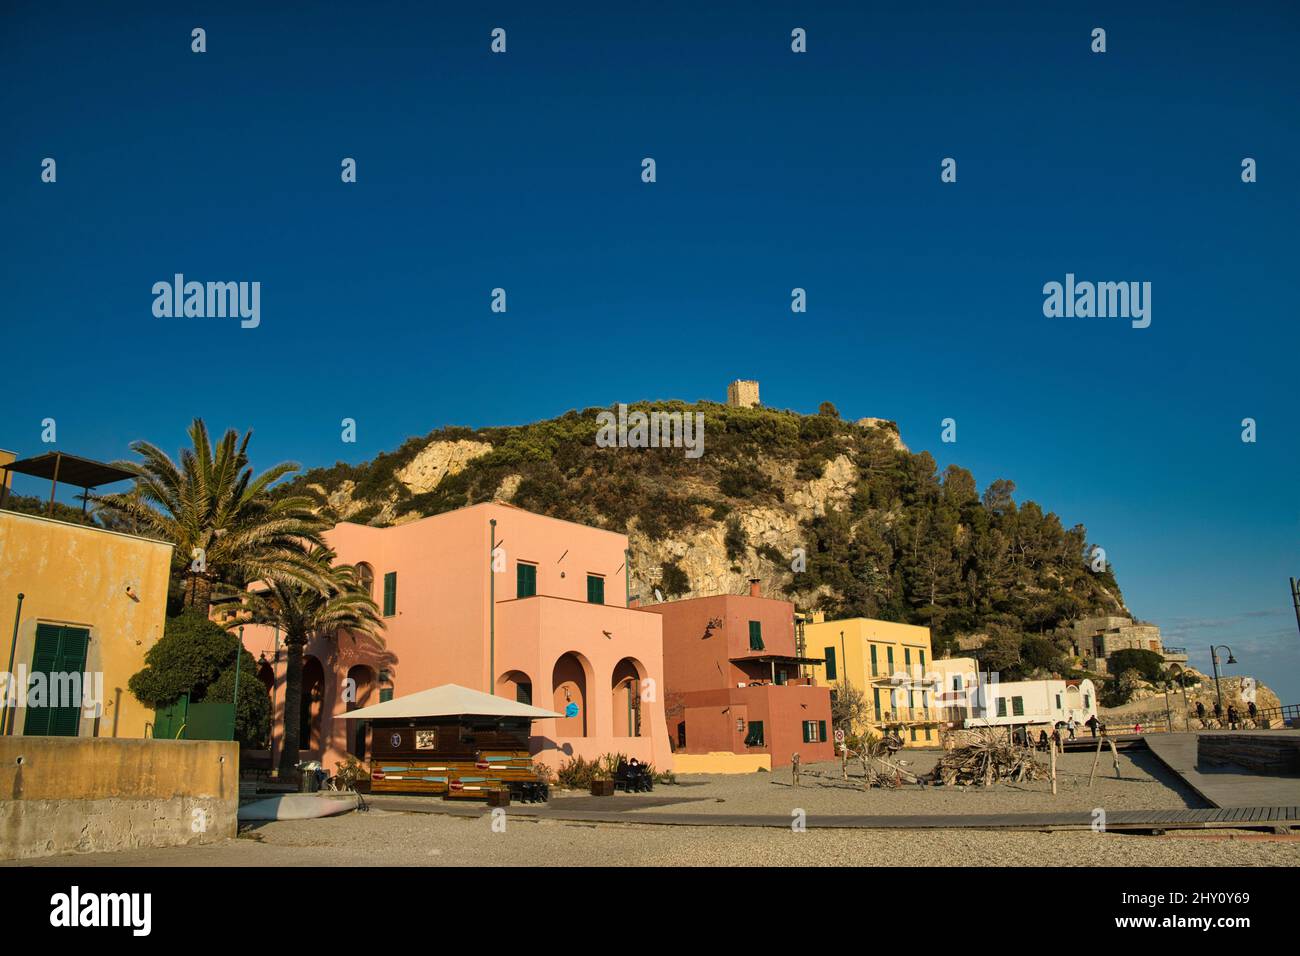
(897, 540)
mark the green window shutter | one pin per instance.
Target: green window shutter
(875, 671)
(1018, 706)
(1002, 706)
(821, 731)
(385, 694)
(755, 635)
(390, 594)
(830, 664)
(807, 726)
(907, 658)
(875, 693)
(595, 589)
(889, 660)
(526, 580)
(922, 659)
(913, 735)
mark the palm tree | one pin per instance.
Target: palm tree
(226, 525)
(303, 613)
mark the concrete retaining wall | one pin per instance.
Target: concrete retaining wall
(88, 795)
(1277, 752)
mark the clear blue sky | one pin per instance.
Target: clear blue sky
(775, 170)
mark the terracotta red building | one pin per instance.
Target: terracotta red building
(737, 680)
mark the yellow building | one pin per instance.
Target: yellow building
(93, 603)
(888, 662)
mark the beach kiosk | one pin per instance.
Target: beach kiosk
(450, 740)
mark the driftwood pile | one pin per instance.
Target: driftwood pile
(989, 759)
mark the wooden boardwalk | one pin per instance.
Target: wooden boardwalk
(1223, 787)
(628, 809)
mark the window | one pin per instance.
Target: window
(889, 660)
(875, 671)
(595, 589)
(1087, 701)
(59, 654)
(523, 693)
(1002, 706)
(1058, 701)
(755, 635)
(755, 736)
(922, 653)
(1017, 706)
(390, 594)
(875, 694)
(525, 580)
(907, 659)
(366, 579)
(385, 694)
(927, 734)
(814, 731)
(913, 735)
(830, 663)
(779, 676)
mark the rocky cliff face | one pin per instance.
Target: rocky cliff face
(832, 514)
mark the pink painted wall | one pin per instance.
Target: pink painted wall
(440, 632)
(703, 669)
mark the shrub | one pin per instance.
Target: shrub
(735, 540)
(1149, 665)
(197, 656)
(674, 580)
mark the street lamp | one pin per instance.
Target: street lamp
(1214, 659)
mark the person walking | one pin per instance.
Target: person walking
(1091, 724)
(1232, 717)
(1070, 726)
(1252, 709)
(1200, 710)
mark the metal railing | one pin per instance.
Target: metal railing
(1285, 713)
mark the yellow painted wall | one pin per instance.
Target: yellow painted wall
(912, 654)
(721, 763)
(77, 575)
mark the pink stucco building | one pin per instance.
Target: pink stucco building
(547, 622)
(737, 681)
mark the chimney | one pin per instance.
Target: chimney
(754, 589)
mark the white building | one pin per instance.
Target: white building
(1015, 703)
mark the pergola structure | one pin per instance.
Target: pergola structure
(57, 466)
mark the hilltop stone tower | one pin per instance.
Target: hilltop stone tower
(742, 393)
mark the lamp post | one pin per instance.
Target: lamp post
(1214, 659)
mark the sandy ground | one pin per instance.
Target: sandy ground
(408, 839)
(388, 838)
(1145, 784)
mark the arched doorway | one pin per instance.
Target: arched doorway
(360, 688)
(313, 695)
(516, 686)
(625, 691)
(569, 696)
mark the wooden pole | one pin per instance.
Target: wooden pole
(1096, 760)
(1115, 754)
(1052, 746)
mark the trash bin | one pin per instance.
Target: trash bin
(309, 777)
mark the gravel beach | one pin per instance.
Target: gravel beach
(402, 839)
(394, 838)
(1145, 784)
